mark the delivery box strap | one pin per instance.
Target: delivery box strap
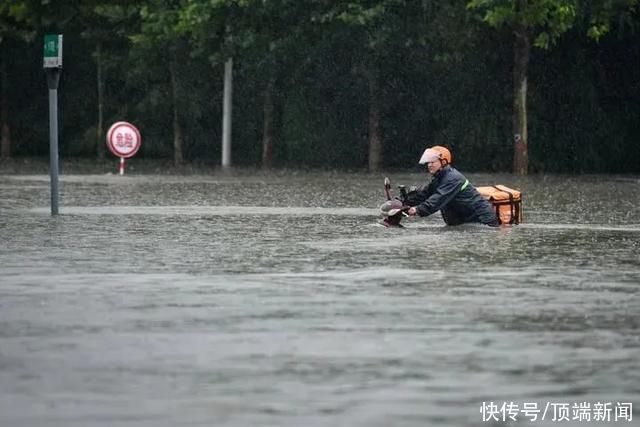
(515, 207)
(504, 191)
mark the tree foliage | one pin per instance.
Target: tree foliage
(314, 80)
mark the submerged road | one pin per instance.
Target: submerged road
(270, 300)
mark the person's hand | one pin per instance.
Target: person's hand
(412, 211)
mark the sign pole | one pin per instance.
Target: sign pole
(121, 166)
(53, 67)
(53, 77)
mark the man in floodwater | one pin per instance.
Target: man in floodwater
(450, 193)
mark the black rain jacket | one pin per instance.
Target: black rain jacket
(451, 193)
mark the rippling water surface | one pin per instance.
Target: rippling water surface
(253, 299)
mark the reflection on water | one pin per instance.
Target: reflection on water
(262, 299)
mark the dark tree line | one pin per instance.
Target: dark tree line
(508, 85)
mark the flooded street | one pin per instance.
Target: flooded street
(255, 299)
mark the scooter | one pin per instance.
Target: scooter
(394, 209)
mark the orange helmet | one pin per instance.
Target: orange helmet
(437, 152)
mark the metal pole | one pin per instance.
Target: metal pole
(226, 113)
(53, 76)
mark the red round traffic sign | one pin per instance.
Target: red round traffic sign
(123, 139)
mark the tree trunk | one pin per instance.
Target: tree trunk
(375, 139)
(268, 124)
(520, 134)
(177, 129)
(5, 137)
(100, 150)
(227, 105)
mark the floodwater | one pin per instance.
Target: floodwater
(252, 299)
